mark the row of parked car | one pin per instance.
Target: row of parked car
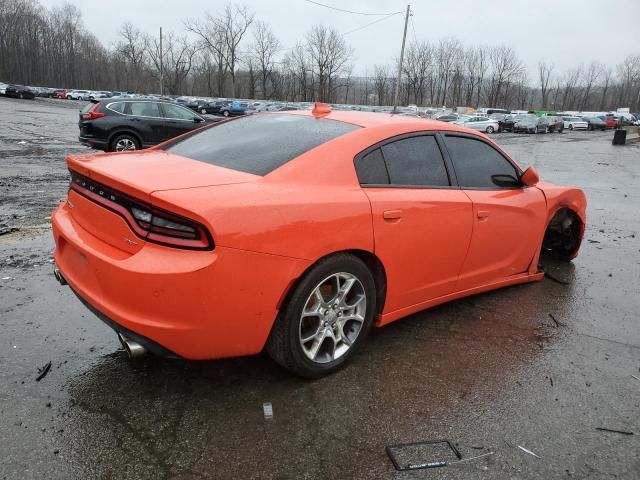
(26, 92)
(531, 123)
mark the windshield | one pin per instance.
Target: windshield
(259, 144)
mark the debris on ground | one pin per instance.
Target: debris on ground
(556, 321)
(602, 429)
(403, 455)
(637, 378)
(267, 408)
(8, 278)
(528, 451)
(42, 371)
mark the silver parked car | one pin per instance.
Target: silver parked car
(482, 124)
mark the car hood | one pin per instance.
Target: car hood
(142, 173)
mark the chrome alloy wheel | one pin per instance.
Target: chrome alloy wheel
(125, 144)
(332, 317)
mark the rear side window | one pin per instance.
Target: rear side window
(259, 144)
(415, 161)
(371, 169)
(476, 163)
(117, 107)
(145, 109)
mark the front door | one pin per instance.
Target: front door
(508, 218)
(179, 120)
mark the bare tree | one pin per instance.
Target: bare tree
(505, 67)
(264, 49)
(233, 25)
(381, 82)
(177, 59)
(591, 76)
(569, 89)
(329, 54)
(446, 58)
(544, 75)
(416, 67)
(133, 49)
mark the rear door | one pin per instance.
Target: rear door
(421, 223)
(179, 120)
(147, 119)
(508, 217)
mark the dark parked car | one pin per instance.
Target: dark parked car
(131, 124)
(20, 91)
(531, 124)
(234, 108)
(46, 92)
(595, 123)
(509, 121)
(207, 107)
(554, 124)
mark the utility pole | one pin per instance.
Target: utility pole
(161, 69)
(404, 38)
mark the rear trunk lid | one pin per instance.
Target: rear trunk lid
(137, 175)
(141, 173)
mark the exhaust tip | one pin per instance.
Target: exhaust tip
(133, 349)
(59, 277)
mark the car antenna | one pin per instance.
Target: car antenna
(320, 109)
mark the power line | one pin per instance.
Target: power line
(350, 11)
(369, 24)
(413, 28)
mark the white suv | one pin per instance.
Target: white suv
(78, 95)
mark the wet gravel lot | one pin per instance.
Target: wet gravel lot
(540, 366)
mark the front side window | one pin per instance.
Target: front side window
(177, 112)
(478, 165)
(144, 109)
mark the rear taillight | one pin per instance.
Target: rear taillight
(92, 114)
(148, 222)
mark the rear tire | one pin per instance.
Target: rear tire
(203, 111)
(225, 113)
(326, 317)
(124, 143)
(490, 129)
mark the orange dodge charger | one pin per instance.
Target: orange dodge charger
(297, 232)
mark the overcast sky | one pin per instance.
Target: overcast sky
(564, 32)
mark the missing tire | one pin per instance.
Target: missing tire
(563, 236)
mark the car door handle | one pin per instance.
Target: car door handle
(483, 214)
(392, 214)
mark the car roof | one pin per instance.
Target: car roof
(375, 119)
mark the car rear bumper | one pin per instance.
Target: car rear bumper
(93, 142)
(191, 304)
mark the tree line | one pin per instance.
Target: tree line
(229, 53)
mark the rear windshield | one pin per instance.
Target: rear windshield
(259, 144)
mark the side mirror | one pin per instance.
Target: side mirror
(530, 177)
(198, 119)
